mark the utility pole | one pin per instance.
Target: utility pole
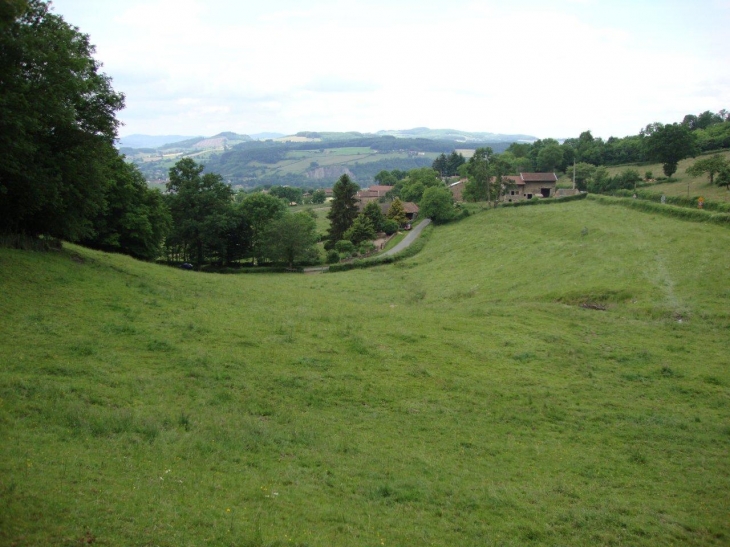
(573, 173)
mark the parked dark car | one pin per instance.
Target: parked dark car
(186, 266)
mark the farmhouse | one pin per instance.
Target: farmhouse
(457, 189)
(517, 187)
(529, 185)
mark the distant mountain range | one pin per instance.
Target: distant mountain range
(453, 135)
(308, 158)
(158, 141)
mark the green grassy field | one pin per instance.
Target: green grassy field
(682, 183)
(553, 375)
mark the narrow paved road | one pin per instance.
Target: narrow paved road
(405, 242)
(410, 238)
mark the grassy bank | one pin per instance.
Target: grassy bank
(535, 375)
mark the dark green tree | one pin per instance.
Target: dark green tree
(479, 186)
(723, 177)
(373, 211)
(454, 161)
(669, 144)
(257, 211)
(549, 158)
(343, 211)
(385, 178)
(202, 212)
(292, 238)
(135, 218)
(57, 125)
(438, 205)
(319, 196)
(711, 166)
(440, 165)
(360, 231)
(397, 212)
(287, 193)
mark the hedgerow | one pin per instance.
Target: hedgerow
(682, 213)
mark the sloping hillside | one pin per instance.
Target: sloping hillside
(539, 375)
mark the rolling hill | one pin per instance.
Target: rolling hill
(311, 158)
(553, 375)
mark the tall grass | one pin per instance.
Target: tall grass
(534, 375)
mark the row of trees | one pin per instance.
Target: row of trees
(208, 225)
(62, 177)
(667, 144)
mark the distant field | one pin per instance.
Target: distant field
(698, 186)
(552, 375)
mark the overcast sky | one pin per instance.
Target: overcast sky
(549, 69)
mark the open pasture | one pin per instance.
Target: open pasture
(553, 375)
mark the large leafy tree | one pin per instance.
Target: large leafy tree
(57, 124)
(257, 211)
(668, 144)
(375, 214)
(711, 166)
(360, 231)
(397, 212)
(343, 210)
(438, 204)
(135, 218)
(292, 238)
(479, 187)
(202, 212)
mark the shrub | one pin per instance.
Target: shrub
(366, 247)
(345, 247)
(390, 226)
(333, 257)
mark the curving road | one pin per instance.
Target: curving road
(405, 242)
(410, 238)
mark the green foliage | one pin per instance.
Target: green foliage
(448, 166)
(397, 212)
(712, 165)
(345, 247)
(438, 205)
(390, 226)
(57, 125)
(292, 238)
(411, 187)
(319, 196)
(287, 193)
(256, 211)
(669, 144)
(723, 177)
(343, 210)
(202, 213)
(373, 212)
(550, 158)
(583, 172)
(333, 257)
(360, 231)
(479, 186)
(135, 219)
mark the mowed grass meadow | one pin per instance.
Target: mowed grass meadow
(553, 375)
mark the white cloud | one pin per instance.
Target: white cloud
(488, 66)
